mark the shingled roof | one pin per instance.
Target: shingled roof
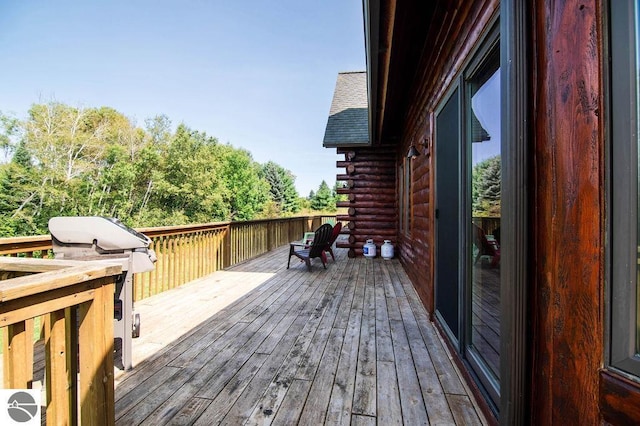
(348, 122)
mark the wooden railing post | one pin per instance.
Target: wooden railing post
(61, 395)
(18, 355)
(96, 355)
(226, 248)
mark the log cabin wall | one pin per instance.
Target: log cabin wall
(462, 25)
(566, 226)
(568, 173)
(370, 186)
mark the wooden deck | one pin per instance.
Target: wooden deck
(486, 316)
(260, 344)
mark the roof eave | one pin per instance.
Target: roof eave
(347, 144)
(371, 12)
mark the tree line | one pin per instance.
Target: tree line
(66, 161)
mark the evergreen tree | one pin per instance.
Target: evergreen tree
(21, 156)
(339, 197)
(282, 187)
(323, 199)
(486, 187)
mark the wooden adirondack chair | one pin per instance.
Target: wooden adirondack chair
(334, 235)
(485, 246)
(316, 249)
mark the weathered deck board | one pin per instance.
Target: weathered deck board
(260, 344)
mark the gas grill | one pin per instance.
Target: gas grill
(96, 238)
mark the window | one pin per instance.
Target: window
(624, 197)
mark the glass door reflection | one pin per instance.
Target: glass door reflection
(483, 121)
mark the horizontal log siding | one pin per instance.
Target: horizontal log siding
(459, 29)
(371, 197)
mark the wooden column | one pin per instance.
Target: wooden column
(569, 211)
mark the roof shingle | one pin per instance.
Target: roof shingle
(348, 122)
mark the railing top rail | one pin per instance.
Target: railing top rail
(22, 244)
(186, 229)
(49, 275)
(181, 229)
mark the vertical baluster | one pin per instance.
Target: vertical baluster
(60, 368)
(200, 258)
(17, 355)
(153, 275)
(180, 260)
(174, 260)
(166, 260)
(206, 256)
(193, 257)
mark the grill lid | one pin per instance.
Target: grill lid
(109, 234)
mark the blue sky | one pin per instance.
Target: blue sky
(256, 74)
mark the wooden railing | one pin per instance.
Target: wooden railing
(73, 301)
(76, 301)
(188, 252)
(488, 224)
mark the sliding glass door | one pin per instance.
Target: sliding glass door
(483, 217)
(469, 214)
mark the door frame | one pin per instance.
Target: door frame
(515, 350)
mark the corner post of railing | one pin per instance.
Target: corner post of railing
(95, 334)
(226, 248)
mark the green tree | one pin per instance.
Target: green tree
(246, 192)
(96, 161)
(339, 197)
(187, 180)
(281, 187)
(10, 128)
(486, 187)
(323, 199)
(158, 130)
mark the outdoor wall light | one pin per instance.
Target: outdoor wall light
(413, 151)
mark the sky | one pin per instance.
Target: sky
(485, 103)
(256, 74)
